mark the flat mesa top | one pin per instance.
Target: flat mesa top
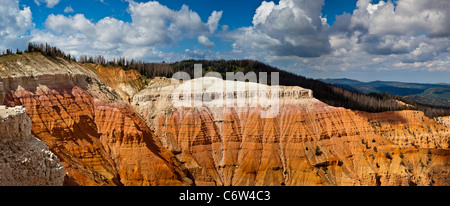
(214, 84)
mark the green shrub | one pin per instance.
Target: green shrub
(388, 155)
(318, 152)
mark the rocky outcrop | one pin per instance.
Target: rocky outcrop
(137, 154)
(24, 159)
(208, 89)
(32, 69)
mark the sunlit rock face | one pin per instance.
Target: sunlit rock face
(98, 138)
(306, 143)
(112, 127)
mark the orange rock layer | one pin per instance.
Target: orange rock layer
(318, 145)
(124, 82)
(409, 129)
(98, 144)
(104, 144)
(110, 144)
(101, 140)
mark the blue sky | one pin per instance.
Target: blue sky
(239, 16)
(399, 40)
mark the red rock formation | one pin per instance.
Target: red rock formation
(139, 158)
(317, 145)
(63, 118)
(103, 144)
(99, 144)
(101, 140)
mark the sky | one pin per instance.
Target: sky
(366, 40)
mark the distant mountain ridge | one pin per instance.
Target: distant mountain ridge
(429, 94)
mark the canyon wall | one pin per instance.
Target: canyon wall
(301, 146)
(96, 135)
(98, 143)
(307, 143)
(24, 159)
(106, 129)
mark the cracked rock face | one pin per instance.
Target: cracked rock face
(24, 159)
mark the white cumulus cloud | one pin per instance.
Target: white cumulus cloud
(290, 28)
(152, 25)
(403, 28)
(14, 24)
(49, 3)
(202, 39)
(68, 9)
(213, 20)
(384, 36)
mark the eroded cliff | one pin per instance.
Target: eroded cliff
(307, 143)
(97, 137)
(107, 130)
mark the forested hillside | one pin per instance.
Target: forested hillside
(328, 93)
